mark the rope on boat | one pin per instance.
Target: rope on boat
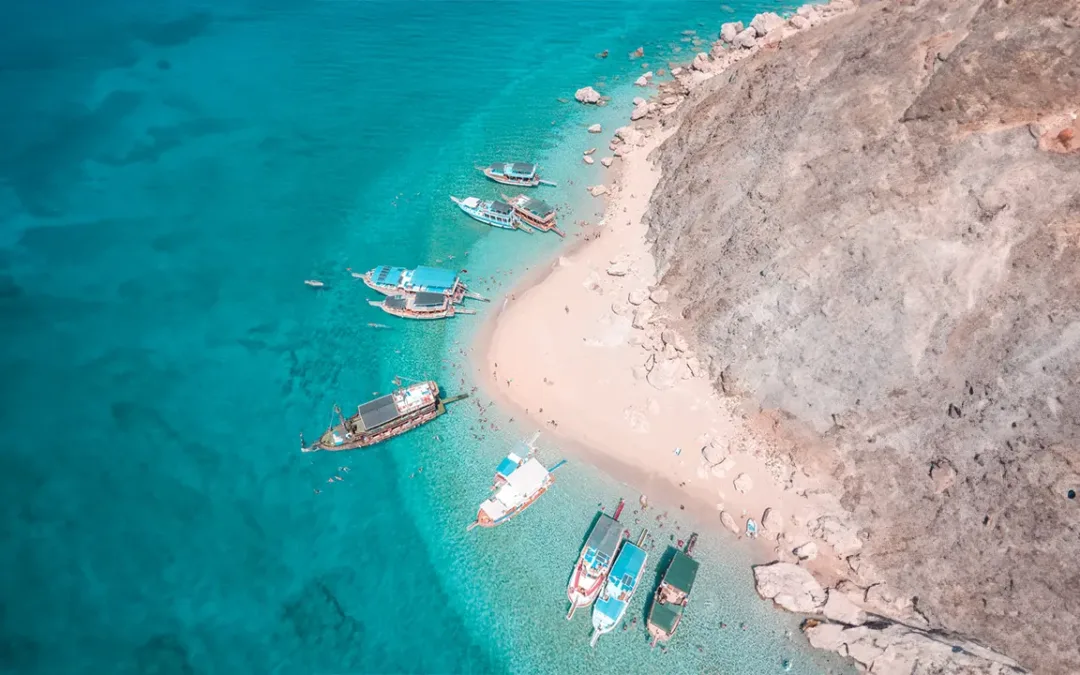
(561, 462)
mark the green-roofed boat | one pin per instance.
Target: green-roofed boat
(387, 416)
(671, 597)
(535, 213)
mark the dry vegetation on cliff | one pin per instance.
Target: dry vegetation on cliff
(874, 229)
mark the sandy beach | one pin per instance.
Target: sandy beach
(563, 350)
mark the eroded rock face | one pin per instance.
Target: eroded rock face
(728, 31)
(902, 278)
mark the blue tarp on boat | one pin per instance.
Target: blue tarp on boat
(628, 566)
(611, 608)
(507, 466)
(434, 279)
(387, 276)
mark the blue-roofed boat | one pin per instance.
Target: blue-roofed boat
(521, 174)
(623, 580)
(420, 306)
(594, 563)
(490, 212)
(398, 281)
(385, 417)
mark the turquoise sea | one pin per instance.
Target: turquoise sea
(170, 173)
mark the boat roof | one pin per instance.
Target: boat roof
(385, 275)
(664, 616)
(628, 566)
(470, 202)
(681, 572)
(396, 302)
(603, 541)
(429, 300)
(520, 169)
(501, 208)
(611, 607)
(509, 463)
(529, 477)
(378, 412)
(434, 278)
(537, 206)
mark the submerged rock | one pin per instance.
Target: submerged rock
(587, 95)
(595, 129)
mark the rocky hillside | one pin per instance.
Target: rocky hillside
(873, 229)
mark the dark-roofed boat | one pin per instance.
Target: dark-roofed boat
(383, 418)
(521, 174)
(671, 597)
(420, 306)
(594, 563)
(534, 213)
(490, 212)
(398, 280)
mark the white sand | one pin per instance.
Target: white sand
(559, 353)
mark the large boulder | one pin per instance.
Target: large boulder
(637, 296)
(587, 95)
(714, 452)
(606, 161)
(639, 112)
(701, 63)
(729, 522)
(597, 190)
(743, 483)
(728, 31)
(807, 551)
(790, 586)
(746, 39)
(595, 129)
(766, 21)
(842, 610)
(772, 521)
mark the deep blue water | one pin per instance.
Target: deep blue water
(170, 172)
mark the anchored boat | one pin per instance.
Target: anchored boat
(519, 481)
(420, 306)
(489, 212)
(521, 174)
(622, 582)
(672, 595)
(398, 280)
(385, 417)
(534, 213)
(595, 560)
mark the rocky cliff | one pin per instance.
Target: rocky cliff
(873, 229)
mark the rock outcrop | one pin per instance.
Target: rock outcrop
(587, 95)
(873, 233)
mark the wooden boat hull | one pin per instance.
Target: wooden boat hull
(418, 316)
(482, 218)
(457, 296)
(483, 521)
(584, 595)
(506, 180)
(366, 440)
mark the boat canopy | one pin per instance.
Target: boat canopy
(427, 300)
(507, 466)
(528, 478)
(520, 170)
(434, 279)
(470, 202)
(378, 412)
(537, 207)
(396, 302)
(665, 615)
(681, 572)
(628, 567)
(501, 208)
(603, 541)
(384, 275)
(610, 607)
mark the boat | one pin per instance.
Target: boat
(398, 280)
(489, 212)
(671, 597)
(314, 283)
(751, 528)
(420, 306)
(521, 174)
(625, 574)
(535, 213)
(519, 482)
(594, 563)
(383, 418)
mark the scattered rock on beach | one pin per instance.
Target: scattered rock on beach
(639, 112)
(595, 129)
(660, 295)
(772, 521)
(589, 151)
(641, 82)
(587, 159)
(746, 39)
(587, 95)
(743, 483)
(597, 190)
(807, 551)
(642, 317)
(701, 63)
(714, 452)
(607, 161)
(619, 268)
(765, 22)
(664, 375)
(729, 522)
(728, 31)
(639, 101)
(638, 296)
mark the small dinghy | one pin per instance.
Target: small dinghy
(314, 283)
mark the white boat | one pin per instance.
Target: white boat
(314, 283)
(490, 212)
(594, 563)
(610, 609)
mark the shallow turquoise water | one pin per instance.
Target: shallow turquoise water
(169, 174)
